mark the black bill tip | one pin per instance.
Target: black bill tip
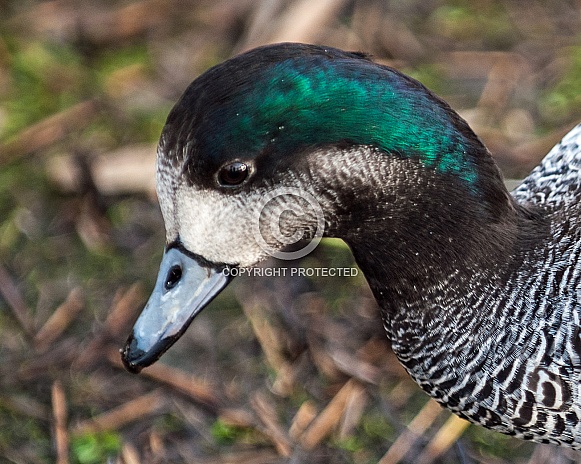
(130, 355)
(135, 359)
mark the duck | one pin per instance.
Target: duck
(478, 287)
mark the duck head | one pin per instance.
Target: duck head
(309, 139)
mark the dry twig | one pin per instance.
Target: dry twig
(49, 131)
(13, 297)
(423, 420)
(60, 319)
(197, 389)
(59, 411)
(128, 412)
(448, 434)
(330, 417)
(272, 429)
(123, 311)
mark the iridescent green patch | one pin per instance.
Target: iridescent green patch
(298, 103)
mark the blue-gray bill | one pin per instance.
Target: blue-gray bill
(183, 288)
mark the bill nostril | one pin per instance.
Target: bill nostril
(173, 277)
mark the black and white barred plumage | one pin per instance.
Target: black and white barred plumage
(507, 353)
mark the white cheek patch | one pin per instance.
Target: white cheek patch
(241, 228)
(216, 226)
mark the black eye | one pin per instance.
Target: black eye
(233, 174)
(173, 277)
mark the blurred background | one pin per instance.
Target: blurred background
(277, 369)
